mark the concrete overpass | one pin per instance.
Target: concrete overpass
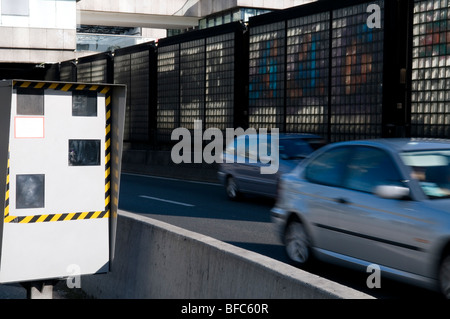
(170, 14)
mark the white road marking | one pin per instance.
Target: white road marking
(166, 201)
(173, 179)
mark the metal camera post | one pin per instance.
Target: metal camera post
(39, 289)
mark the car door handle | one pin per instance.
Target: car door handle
(342, 201)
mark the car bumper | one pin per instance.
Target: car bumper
(278, 217)
(221, 176)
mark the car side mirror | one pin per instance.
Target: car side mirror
(392, 192)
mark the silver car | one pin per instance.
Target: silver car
(240, 171)
(383, 202)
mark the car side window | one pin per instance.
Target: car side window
(370, 167)
(329, 167)
(294, 149)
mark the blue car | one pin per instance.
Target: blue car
(376, 202)
(243, 167)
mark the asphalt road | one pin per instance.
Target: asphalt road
(205, 209)
(202, 208)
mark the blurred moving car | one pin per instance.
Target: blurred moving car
(240, 171)
(383, 202)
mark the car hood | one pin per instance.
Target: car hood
(440, 204)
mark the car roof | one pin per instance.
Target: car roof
(287, 135)
(298, 135)
(403, 144)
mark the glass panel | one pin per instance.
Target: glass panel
(307, 74)
(84, 152)
(266, 76)
(84, 103)
(432, 170)
(192, 82)
(168, 91)
(430, 72)
(16, 7)
(30, 191)
(220, 81)
(30, 101)
(329, 168)
(369, 168)
(357, 74)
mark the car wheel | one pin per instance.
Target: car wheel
(232, 189)
(297, 243)
(444, 276)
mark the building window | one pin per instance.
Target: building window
(241, 14)
(16, 7)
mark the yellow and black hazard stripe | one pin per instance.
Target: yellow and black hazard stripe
(108, 152)
(103, 89)
(7, 191)
(56, 217)
(60, 86)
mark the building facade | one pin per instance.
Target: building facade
(37, 30)
(50, 31)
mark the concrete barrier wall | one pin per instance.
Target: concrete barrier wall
(157, 260)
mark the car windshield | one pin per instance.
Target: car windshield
(432, 170)
(296, 148)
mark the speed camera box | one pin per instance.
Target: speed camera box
(60, 155)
